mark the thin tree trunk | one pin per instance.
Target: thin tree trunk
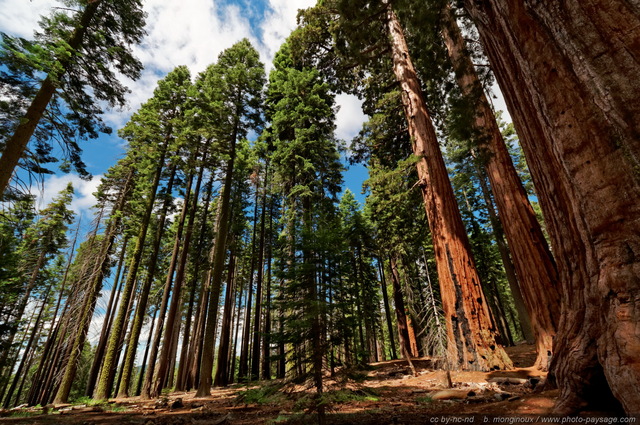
(150, 383)
(37, 376)
(266, 334)
(146, 353)
(27, 350)
(243, 369)
(387, 310)
(176, 298)
(398, 301)
(121, 343)
(95, 286)
(534, 264)
(141, 309)
(470, 336)
(255, 356)
(22, 304)
(106, 327)
(221, 378)
(237, 331)
(206, 368)
(523, 315)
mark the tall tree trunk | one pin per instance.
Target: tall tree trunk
(206, 368)
(568, 71)
(243, 368)
(176, 297)
(54, 327)
(141, 309)
(14, 147)
(205, 293)
(109, 366)
(398, 301)
(387, 310)
(150, 384)
(93, 292)
(221, 378)
(22, 304)
(237, 330)
(470, 336)
(534, 264)
(188, 357)
(524, 319)
(145, 356)
(255, 356)
(122, 341)
(25, 355)
(106, 326)
(266, 334)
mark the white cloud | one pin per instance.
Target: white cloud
(350, 117)
(83, 198)
(278, 24)
(20, 17)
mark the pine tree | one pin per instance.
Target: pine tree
(79, 52)
(233, 88)
(306, 165)
(152, 130)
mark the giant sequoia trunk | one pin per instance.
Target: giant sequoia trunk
(471, 337)
(569, 74)
(534, 265)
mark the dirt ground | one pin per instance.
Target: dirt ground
(385, 393)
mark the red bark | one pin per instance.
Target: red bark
(568, 71)
(471, 336)
(534, 264)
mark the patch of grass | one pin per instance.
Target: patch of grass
(304, 403)
(294, 418)
(23, 414)
(114, 408)
(88, 401)
(424, 399)
(267, 394)
(356, 376)
(347, 396)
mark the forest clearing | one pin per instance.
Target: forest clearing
(384, 392)
(225, 265)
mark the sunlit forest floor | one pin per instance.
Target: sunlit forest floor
(383, 393)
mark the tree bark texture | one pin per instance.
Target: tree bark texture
(106, 326)
(89, 303)
(181, 246)
(568, 71)
(471, 342)
(141, 308)
(534, 264)
(387, 310)
(206, 367)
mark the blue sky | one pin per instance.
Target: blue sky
(192, 33)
